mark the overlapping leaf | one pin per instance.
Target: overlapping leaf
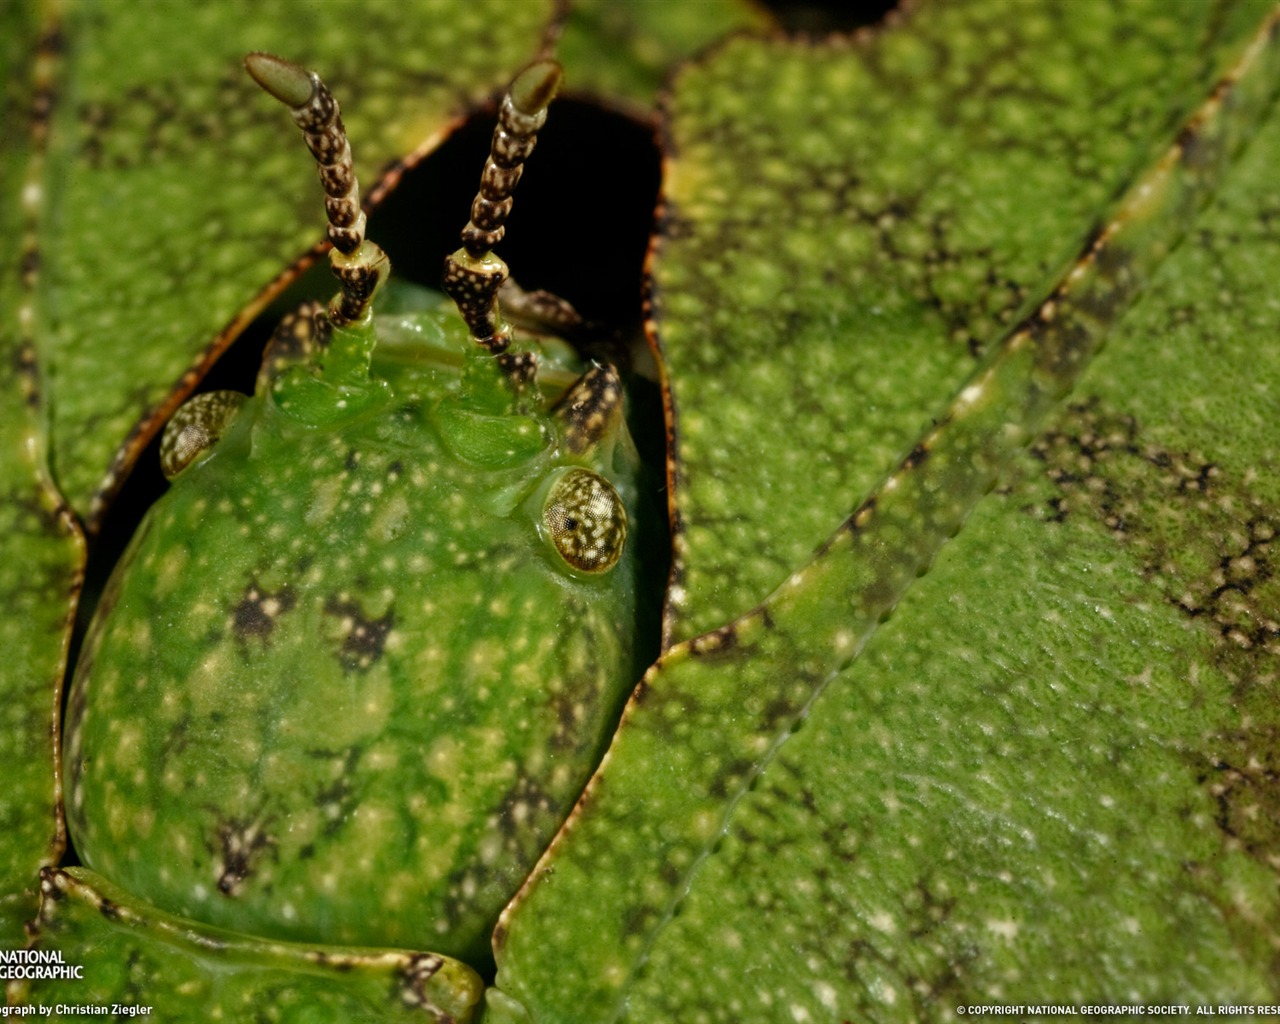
(849, 224)
(1050, 777)
(621, 51)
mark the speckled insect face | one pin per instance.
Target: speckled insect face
(358, 663)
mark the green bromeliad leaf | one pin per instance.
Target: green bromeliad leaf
(849, 224)
(1048, 776)
(623, 50)
(170, 969)
(40, 548)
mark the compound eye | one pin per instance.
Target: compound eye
(586, 521)
(196, 427)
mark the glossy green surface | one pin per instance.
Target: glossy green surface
(343, 688)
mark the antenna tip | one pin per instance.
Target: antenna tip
(291, 85)
(536, 86)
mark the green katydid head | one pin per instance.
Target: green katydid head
(498, 414)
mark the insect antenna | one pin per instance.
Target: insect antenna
(359, 265)
(474, 273)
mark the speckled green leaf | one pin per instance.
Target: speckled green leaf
(849, 223)
(40, 549)
(623, 50)
(1049, 775)
(139, 958)
(173, 202)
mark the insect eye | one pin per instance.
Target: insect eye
(586, 521)
(196, 427)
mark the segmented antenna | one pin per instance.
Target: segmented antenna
(473, 274)
(359, 265)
